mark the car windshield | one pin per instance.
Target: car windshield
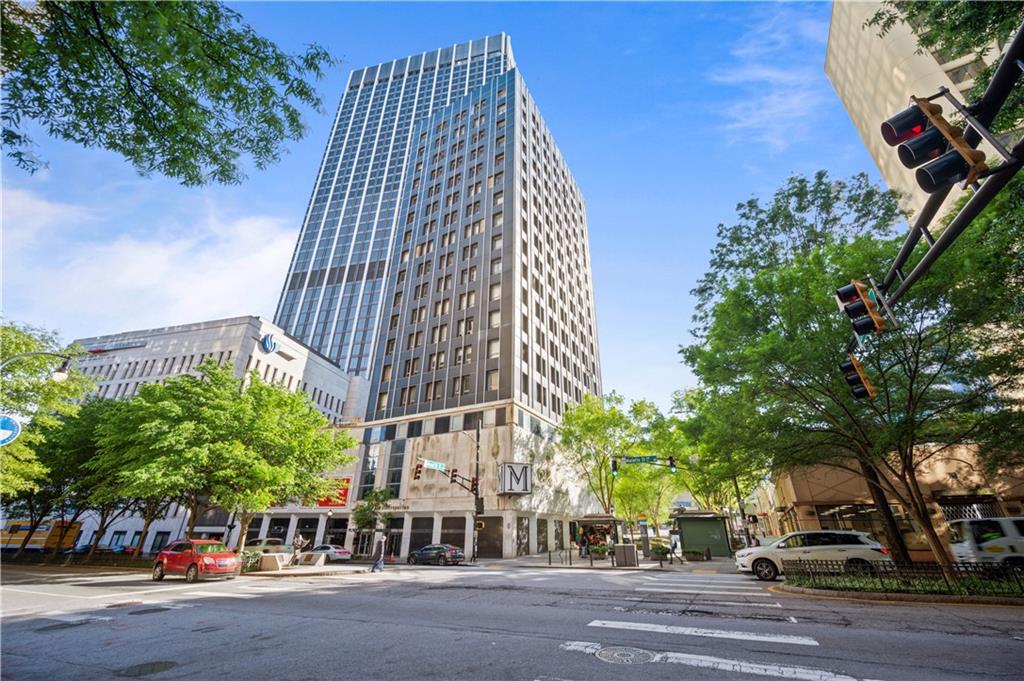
(211, 548)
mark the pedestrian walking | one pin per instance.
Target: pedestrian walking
(583, 543)
(378, 556)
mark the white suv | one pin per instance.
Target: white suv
(855, 549)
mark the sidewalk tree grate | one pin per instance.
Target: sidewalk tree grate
(624, 655)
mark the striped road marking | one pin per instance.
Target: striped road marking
(727, 665)
(715, 592)
(705, 604)
(707, 633)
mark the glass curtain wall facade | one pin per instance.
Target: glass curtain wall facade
(333, 293)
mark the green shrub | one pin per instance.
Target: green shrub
(659, 551)
(599, 550)
(250, 560)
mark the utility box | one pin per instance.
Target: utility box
(625, 555)
(700, 530)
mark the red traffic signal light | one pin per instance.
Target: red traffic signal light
(925, 137)
(474, 485)
(858, 381)
(857, 301)
(418, 473)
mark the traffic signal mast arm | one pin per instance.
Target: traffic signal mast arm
(979, 116)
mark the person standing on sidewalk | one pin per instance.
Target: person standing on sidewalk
(378, 556)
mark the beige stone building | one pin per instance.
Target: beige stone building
(875, 77)
(826, 497)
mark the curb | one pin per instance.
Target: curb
(899, 597)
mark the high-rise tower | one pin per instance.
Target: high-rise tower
(332, 295)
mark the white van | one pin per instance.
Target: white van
(989, 540)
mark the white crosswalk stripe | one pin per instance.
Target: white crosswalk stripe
(706, 633)
(724, 664)
(713, 592)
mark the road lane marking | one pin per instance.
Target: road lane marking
(666, 582)
(725, 664)
(115, 594)
(716, 592)
(707, 633)
(216, 594)
(705, 604)
(792, 619)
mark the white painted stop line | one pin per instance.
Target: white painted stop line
(707, 633)
(725, 664)
(715, 592)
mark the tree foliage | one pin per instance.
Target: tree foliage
(28, 393)
(371, 513)
(945, 377)
(958, 27)
(186, 89)
(596, 431)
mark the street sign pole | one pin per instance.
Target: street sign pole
(477, 505)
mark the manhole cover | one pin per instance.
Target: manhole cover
(624, 655)
(146, 668)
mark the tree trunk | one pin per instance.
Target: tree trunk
(920, 510)
(743, 511)
(147, 521)
(243, 530)
(33, 525)
(899, 545)
(101, 530)
(193, 517)
(64, 533)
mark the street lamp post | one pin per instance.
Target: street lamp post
(58, 376)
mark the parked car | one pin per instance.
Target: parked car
(440, 554)
(196, 559)
(266, 545)
(332, 552)
(988, 540)
(856, 550)
(100, 548)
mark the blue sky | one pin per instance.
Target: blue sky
(669, 115)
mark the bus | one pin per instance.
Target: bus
(45, 538)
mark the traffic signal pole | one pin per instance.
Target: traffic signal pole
(477, 506)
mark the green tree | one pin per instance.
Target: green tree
(594, 433)
(943, 380)
(956, 28)
(186, 89)
(29, 394)
(371, 513)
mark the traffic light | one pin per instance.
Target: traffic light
(926, 139)
(615, 467)
(857, 300)
(672, 463)
(455, 475)
(418, 473)
(858, 381)
(474, 485)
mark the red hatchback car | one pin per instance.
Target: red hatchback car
(196, 559)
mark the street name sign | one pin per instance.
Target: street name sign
(641, 459)
(433, 465)
(10, 429)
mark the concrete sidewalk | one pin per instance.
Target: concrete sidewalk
(713, 566)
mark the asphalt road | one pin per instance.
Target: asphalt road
(480, 624)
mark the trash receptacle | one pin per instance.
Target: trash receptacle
(625, 555)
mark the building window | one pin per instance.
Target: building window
(382, 400)
(493, 348)
(492, 379)
(494, 319)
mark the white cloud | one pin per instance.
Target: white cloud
(776, 69)
(193, 267)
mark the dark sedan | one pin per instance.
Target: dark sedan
(437, 554)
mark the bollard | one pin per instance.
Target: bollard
(570, 557)
(591, 560)
(549, 558)
(661, 561)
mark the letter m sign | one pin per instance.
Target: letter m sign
(516, 478)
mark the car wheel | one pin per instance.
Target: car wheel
(765, 570)
(158, 572)
(442, 559)
(192, 574)
(859, 567)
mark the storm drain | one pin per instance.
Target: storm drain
(624, 655)
(145, 669)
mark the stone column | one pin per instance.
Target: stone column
(350, 536)
(508, 534)
(264, 525)
(321, 526)
(406, 536)
(533, 533)
(467, 545)
(435, 535)
(293, 524)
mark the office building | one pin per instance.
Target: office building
(119, 363)
(481, 326)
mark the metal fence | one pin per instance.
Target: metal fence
(963, 579)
